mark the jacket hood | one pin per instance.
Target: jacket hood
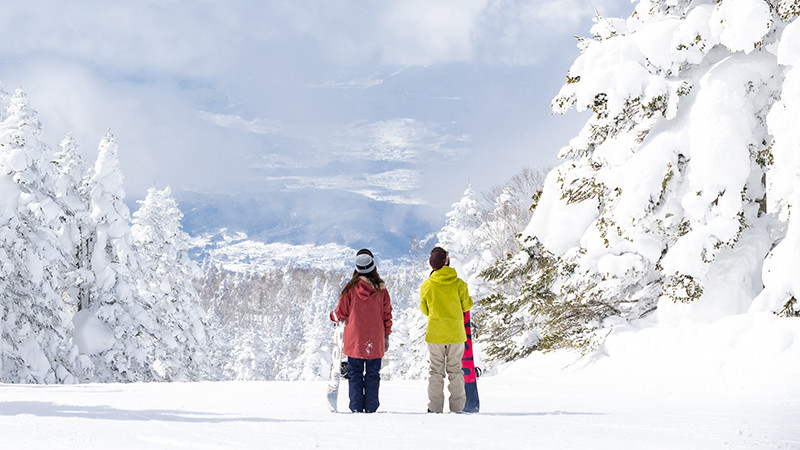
(445, 275)
(366, 290)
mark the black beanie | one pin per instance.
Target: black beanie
(438, 258)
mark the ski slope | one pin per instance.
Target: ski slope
(691, 394)
(515, 414)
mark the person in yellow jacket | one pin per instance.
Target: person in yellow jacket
(443, 298)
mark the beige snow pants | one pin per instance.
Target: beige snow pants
(446, 358)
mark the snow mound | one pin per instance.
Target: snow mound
(92, 336)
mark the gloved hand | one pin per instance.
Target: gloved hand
(386, 341)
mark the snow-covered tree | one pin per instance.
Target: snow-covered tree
(407, 356)
(460, 238)
(509, 323)
(509, 212)
(458, 234)
(118, 329)
(71, 190)
(77, 301)
(314, 360)
(506, 328)
(782, 285)
(35, 330)
(276, 323)
(669, 198)
(479, 233)
(186, 350)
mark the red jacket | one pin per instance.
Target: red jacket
(367, 312)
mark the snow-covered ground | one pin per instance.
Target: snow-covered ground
(737, 391)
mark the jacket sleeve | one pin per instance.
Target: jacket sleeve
(423, 303)
(466, 300)
(387, 314)
(342, 311)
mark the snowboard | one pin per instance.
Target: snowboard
(336, 367)
(473, 403)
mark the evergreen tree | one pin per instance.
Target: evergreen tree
(509, 214)
(35, 329)
(781, 285)
(659, 201)
(482, 235)
(117, 330)
(460, 238)
(511, 319)
(71, 189)
(185, 350)
(457, 236)
(282, 330)
(315, 355)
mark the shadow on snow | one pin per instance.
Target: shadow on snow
(47, 409)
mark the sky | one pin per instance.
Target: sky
(401, 102)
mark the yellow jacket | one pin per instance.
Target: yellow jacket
(443, 298)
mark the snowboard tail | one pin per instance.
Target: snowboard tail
(336, 368)
(473, 403)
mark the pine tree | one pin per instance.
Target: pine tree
(482, 235)
(781, 287)
(510, 323)
(71, 189)
(507, 214)
(117, 330)
(35, 330)
(315, 356)
(457, 236)
(658, 202)
(460, 238)
(185, 349)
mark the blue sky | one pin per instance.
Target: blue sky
(401, 101)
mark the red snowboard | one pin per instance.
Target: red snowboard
(473, 404)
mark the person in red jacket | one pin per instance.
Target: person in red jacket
(366, 308)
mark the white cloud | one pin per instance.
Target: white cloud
(515, 32)
(257, 126)
(394, 141)
(391, 186)
(351, 84)
(212, 39)
(283, 162)
(157, 37)
(397, 199)
(418, 32)
(395, 180)
(393, 86)
(366, 83)
(155, 125)
(397, 140)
